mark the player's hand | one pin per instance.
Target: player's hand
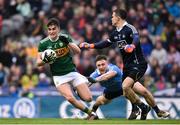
(129, 48)
(49, 58)
(92, 80)
(84, 45)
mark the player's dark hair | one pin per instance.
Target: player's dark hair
(100, 57)
(53, 21)
(121, 13)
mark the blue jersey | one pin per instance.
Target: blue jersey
(114, 83)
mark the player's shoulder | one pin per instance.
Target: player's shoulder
(44, 40)
(63, 35)
(94, 74)
(130, 27)
(114, 67)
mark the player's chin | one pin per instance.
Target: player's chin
(52, 36)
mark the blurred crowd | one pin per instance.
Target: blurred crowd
(23, 25)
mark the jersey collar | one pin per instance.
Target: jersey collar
(55, 39)
(120, 28)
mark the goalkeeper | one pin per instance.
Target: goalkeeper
(110, 77)
(62, 67)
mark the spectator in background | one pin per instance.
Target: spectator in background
(13, 78)
(146, 43)
(156, 26)
(44, 80)
(119, 62)
(6, 55)
(77, 62)
(159, 53)
(173, 8)
(46, 5)
(159, 79)
(87, 64)
(173, 55)
(30, 79)
(112, 56)
(24, 8)
(174, 75)
(13, 91)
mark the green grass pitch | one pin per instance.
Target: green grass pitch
(115, 121)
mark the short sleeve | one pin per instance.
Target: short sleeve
(94, 75)
(41, 47)
(66, 37)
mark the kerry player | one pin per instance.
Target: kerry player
(63, 69)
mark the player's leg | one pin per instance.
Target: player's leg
(80, 83)
(130, 76)
(134, 112)
(127, 90)
(107, 96)
(63, 86)
(65, 90)
(101, 100)
(140, 89)
(84, 92)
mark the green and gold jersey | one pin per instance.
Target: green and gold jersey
(64, 63)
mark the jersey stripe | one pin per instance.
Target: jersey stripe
(132, 27)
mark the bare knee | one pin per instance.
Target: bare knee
(101, 102)
(88, 99)
(125, 89)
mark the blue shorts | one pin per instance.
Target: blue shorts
(112, 94)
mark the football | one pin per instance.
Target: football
(49, 54)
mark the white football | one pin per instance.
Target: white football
(48, 52)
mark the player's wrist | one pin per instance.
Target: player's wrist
(91, 46)
(133, 46)
(92, 80)
(129, 48)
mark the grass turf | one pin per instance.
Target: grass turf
(79, 121)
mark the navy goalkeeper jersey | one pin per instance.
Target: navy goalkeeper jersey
(123, 37)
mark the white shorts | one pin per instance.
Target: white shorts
(73, 78)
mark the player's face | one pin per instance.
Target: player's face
(53, 31)
(101, 65)
(114, 19)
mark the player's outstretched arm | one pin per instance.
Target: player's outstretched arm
(106, 76)
(98, 45)
(74, 48)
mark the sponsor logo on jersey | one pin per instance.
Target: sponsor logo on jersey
(62, 51)
(121, 44)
